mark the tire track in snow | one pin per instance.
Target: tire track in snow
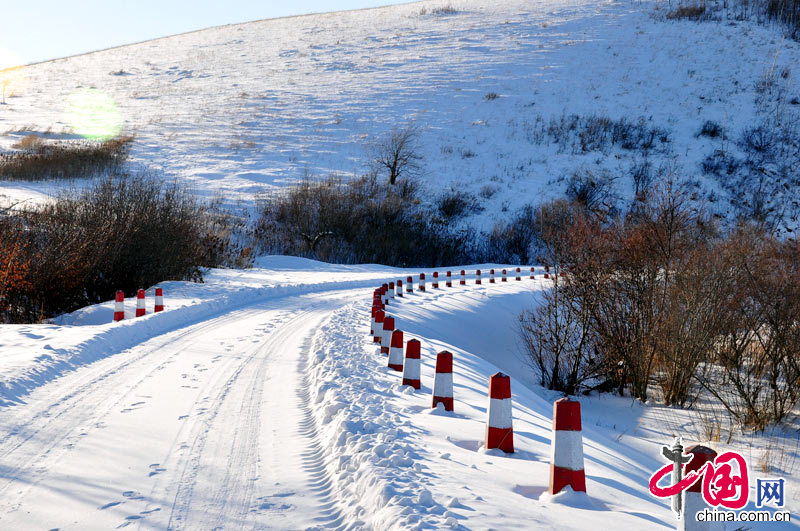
(60, 424)
(314, 456)
(238, 457)
(233, 502)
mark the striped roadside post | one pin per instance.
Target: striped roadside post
(386, 334)
(411, 366)
(119, 306)
(499, 430)
(395, 352)
(443, 381)
(140, 309)
(566, 463)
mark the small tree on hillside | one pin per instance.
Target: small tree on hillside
(397, 152)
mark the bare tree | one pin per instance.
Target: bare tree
(397, 152)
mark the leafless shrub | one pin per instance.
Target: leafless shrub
(642, 176)
(594, 191)
(558, 335)
(756, 356)
(442, 10)
(488, 191)
(710, 129)
(456, 204)
(358, 221)
(512, 241)
(122, 233)
(689, 12)
(397, 153)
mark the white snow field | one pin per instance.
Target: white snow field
(239, 109)
(258, 401)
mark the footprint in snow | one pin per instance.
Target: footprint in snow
(109, 505)
(155, 468)
(132, 495)
(129, 520)
(266, 503)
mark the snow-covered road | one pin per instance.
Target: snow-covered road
(204, 427)
(257, 400)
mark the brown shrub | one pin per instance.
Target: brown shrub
(64, 160)
(120, 234)
(689, 12)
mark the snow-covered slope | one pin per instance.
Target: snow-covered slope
(241, 108)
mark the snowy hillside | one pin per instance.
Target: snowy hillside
(238, 109)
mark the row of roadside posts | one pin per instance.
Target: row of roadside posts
(566, 456)
(567, 444)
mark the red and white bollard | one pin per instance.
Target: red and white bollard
(435, 281)
(504, 279)
(372, 324)
(449, 282)
(391, 290)
(693, 496)
(519, 274)
(491, 276)
(140, 311)
(422, 281)
(443, 381)
(409, 285)
(159, 300)
(547, 271)
(119, 306)
(386, 335)
(478, 276)
(463, 281)
(380, 315)
(385, 293)
(499, 431)
(532, 274)
(396, 351)
(411, 367)
(399, 288)
(566, 463)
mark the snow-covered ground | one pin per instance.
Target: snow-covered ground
(257, 400)
(239, 109)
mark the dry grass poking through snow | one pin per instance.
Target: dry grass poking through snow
(38, 159)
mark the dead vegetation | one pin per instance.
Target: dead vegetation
(659, 298)
(38, 159)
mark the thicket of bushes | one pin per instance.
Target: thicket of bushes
(121, 233)
(39, 160)
(660, 298)
(359, 221)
